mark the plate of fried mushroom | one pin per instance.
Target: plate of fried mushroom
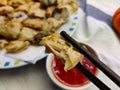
(25, 22)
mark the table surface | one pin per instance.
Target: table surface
(35, 77)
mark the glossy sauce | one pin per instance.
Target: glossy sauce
(72, 77)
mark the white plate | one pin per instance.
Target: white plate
(69, 27)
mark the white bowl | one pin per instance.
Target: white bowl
(50, 58)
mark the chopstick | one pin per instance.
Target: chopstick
(106, 70)
(92, 78)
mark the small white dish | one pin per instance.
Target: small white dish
(50, 58)
(52, 76)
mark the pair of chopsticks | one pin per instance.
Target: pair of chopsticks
(112, 75)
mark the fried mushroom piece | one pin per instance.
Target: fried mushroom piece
(71, 5)
(46, 3)
(61, 14)
(35, 23)
(29, 1)
(20, 16)
(75, 5)
(24, 7)
(36, 11)
(38, 37)
(16, 46)
(10, 29)
(16, 3)
(3, 43)
(3, 19)
(27, 34)
(51, 24)
(6, 9)
(63, 2)
(61, 48)
(49, 11)
(3, 2)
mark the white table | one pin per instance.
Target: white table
(34, 77)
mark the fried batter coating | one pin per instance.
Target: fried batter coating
(27, 34)
(20, 16)
(2, 19)
(71, 5)
(24, 22)
(3, 2)
(24, 7)
(47, 3)
(3, 43)
(61, 48)
(50, 10)
(61, 14)
(51, 24)
(36, 11)
(16, 46)
(10, 29)
(35, 23)
(16, 3)
(6, 9)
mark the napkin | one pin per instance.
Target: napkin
(31, 55)
(96, 30)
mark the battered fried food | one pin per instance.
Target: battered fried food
(61, 14)
(16, 46)
(6, 9)
(10, 29)
(3, 2)
(51, 24)
(35, 23)
(3, 43)
(36, 11)
(71, 5)
(20, 16)
(49, 11)
(27, 34)
(61, 48)
(16, 3)
(47, 3)
(23, 21)
(2, 19)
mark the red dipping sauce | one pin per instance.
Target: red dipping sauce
(72, 77)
